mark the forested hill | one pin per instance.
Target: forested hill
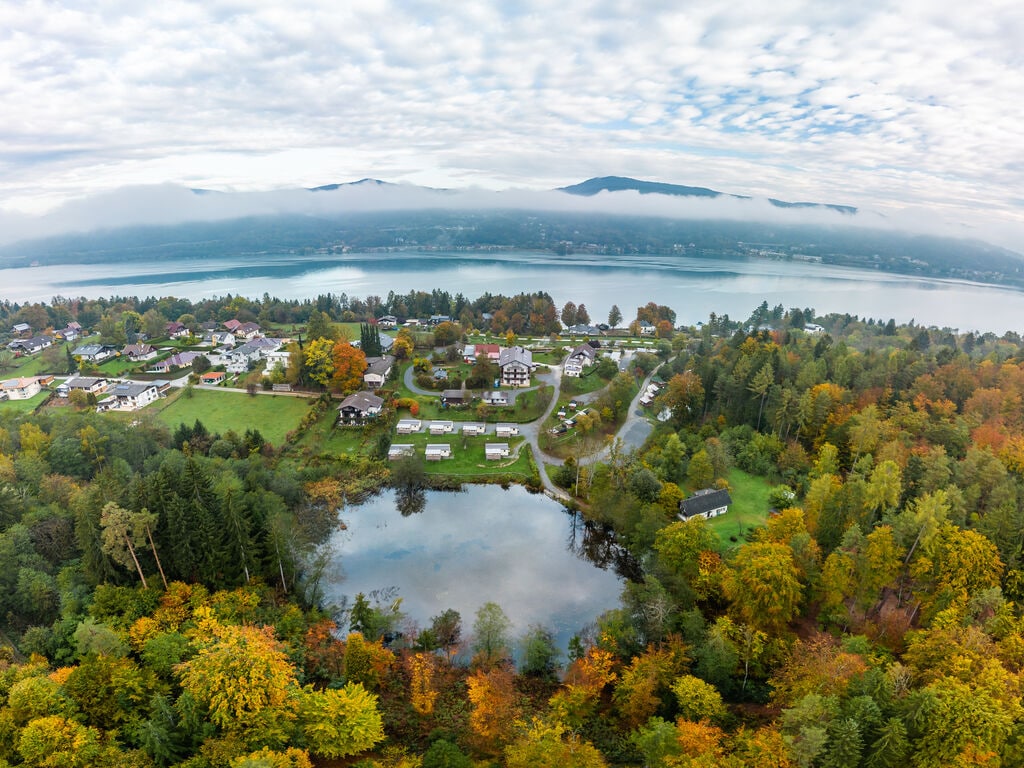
(545, 231)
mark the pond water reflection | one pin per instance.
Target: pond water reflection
(539, 562)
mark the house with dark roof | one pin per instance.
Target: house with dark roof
(357, 408)
(71, 332)
(129, 396)
(176, 330)
(138, 352)
(30, 346)
(706, 503)
(579, 360)
(377, 371)
(21, 328)
(95, 353)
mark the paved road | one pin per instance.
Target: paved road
(410, 383)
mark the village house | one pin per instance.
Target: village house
(495, 398)
(177, 330)
(129, 396)
(138, 352)
(219, 339)
(579, 360)
(495, 451)
(179, 360)
(408, 426)
(401, 451)
(438, 451)
(516, 365)
(582, 329)
(472, 430)
(242, 358)
(646, 329)
(441, 427)
(248, 331)
(30, 346)
(359, 407)
(453, 397)
(212, 377)
(277, 357)
(88, 384)
(388, 321)
(233, 325)
(706, 503)
(94, 353)
(438, 319)
(21, 389)
(377, 371)
(20, 328)
(471, 352)
(506, 430)
(72, 332)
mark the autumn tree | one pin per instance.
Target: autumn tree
(340, 722)
(493, 699)
(763, 586)
(319, 361)
(349, 363)
(551, 745)
(242, 675)
(490, 635)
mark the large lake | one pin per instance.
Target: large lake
(523, 551)
(692, 287)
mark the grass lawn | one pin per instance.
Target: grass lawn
(749, 509)
(273, 415)
(25, 406)
(119, 366)
(468, 459)
(581, 385)
(326, 437)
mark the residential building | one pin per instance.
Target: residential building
(441, 427)
(248, 331)
(471, 430)
(277, 357)
(582, 329)
(212, 377)
(506, 430)
(706, 503)
(388, 321)
(21, 389)
(377, 371)
(579, 360)
(516, 365)
(179, 360)
(94, 353)
(129, 396)
(241, 359)
(138, 352)
(359, 407)
(646, 329)
(72, 332)
(400, 451)
(87, 384)
(30, 346)
(177, 330)
(233, 325)
(438, 451)
(453, 397)
(495, 398)
(20, 328)
(408, 426)
(495, 451)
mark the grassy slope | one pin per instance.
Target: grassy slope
(24, 406)
(272, 415)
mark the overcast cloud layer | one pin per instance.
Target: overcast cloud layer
(909, 108)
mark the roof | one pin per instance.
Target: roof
(379, 365)
(496, 447)
(137, 349)
(22, 327)
(434, 447)
(132, 389)
(586, 350)
(83, 382)
(89, 349)
(363, 401)
(453, 394)
(515, 355)
(704, 501)
(19, 383)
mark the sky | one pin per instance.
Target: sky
(908, 109)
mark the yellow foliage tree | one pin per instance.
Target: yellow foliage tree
(422, 694)
(240, 675)
(492, 695)
(544, 745)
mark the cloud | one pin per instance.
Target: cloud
(894, 108)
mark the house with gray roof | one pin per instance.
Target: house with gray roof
(706, 503)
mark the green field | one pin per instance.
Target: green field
(273, 415)
(749, 508)
(580, 385)
(25, 406)
(468, 459)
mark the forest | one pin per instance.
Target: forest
(160, 599)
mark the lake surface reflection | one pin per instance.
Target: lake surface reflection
(693, 287)
(523, 551)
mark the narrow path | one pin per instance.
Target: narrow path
(259, 391)
(531, 431)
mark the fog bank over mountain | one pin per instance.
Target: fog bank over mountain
(168, 204)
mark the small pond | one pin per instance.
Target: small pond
(541, 563)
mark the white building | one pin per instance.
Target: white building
(495, 451)
(438, 451)
(408, 426)
(400, 450)
(506, 430)
(441, 427)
